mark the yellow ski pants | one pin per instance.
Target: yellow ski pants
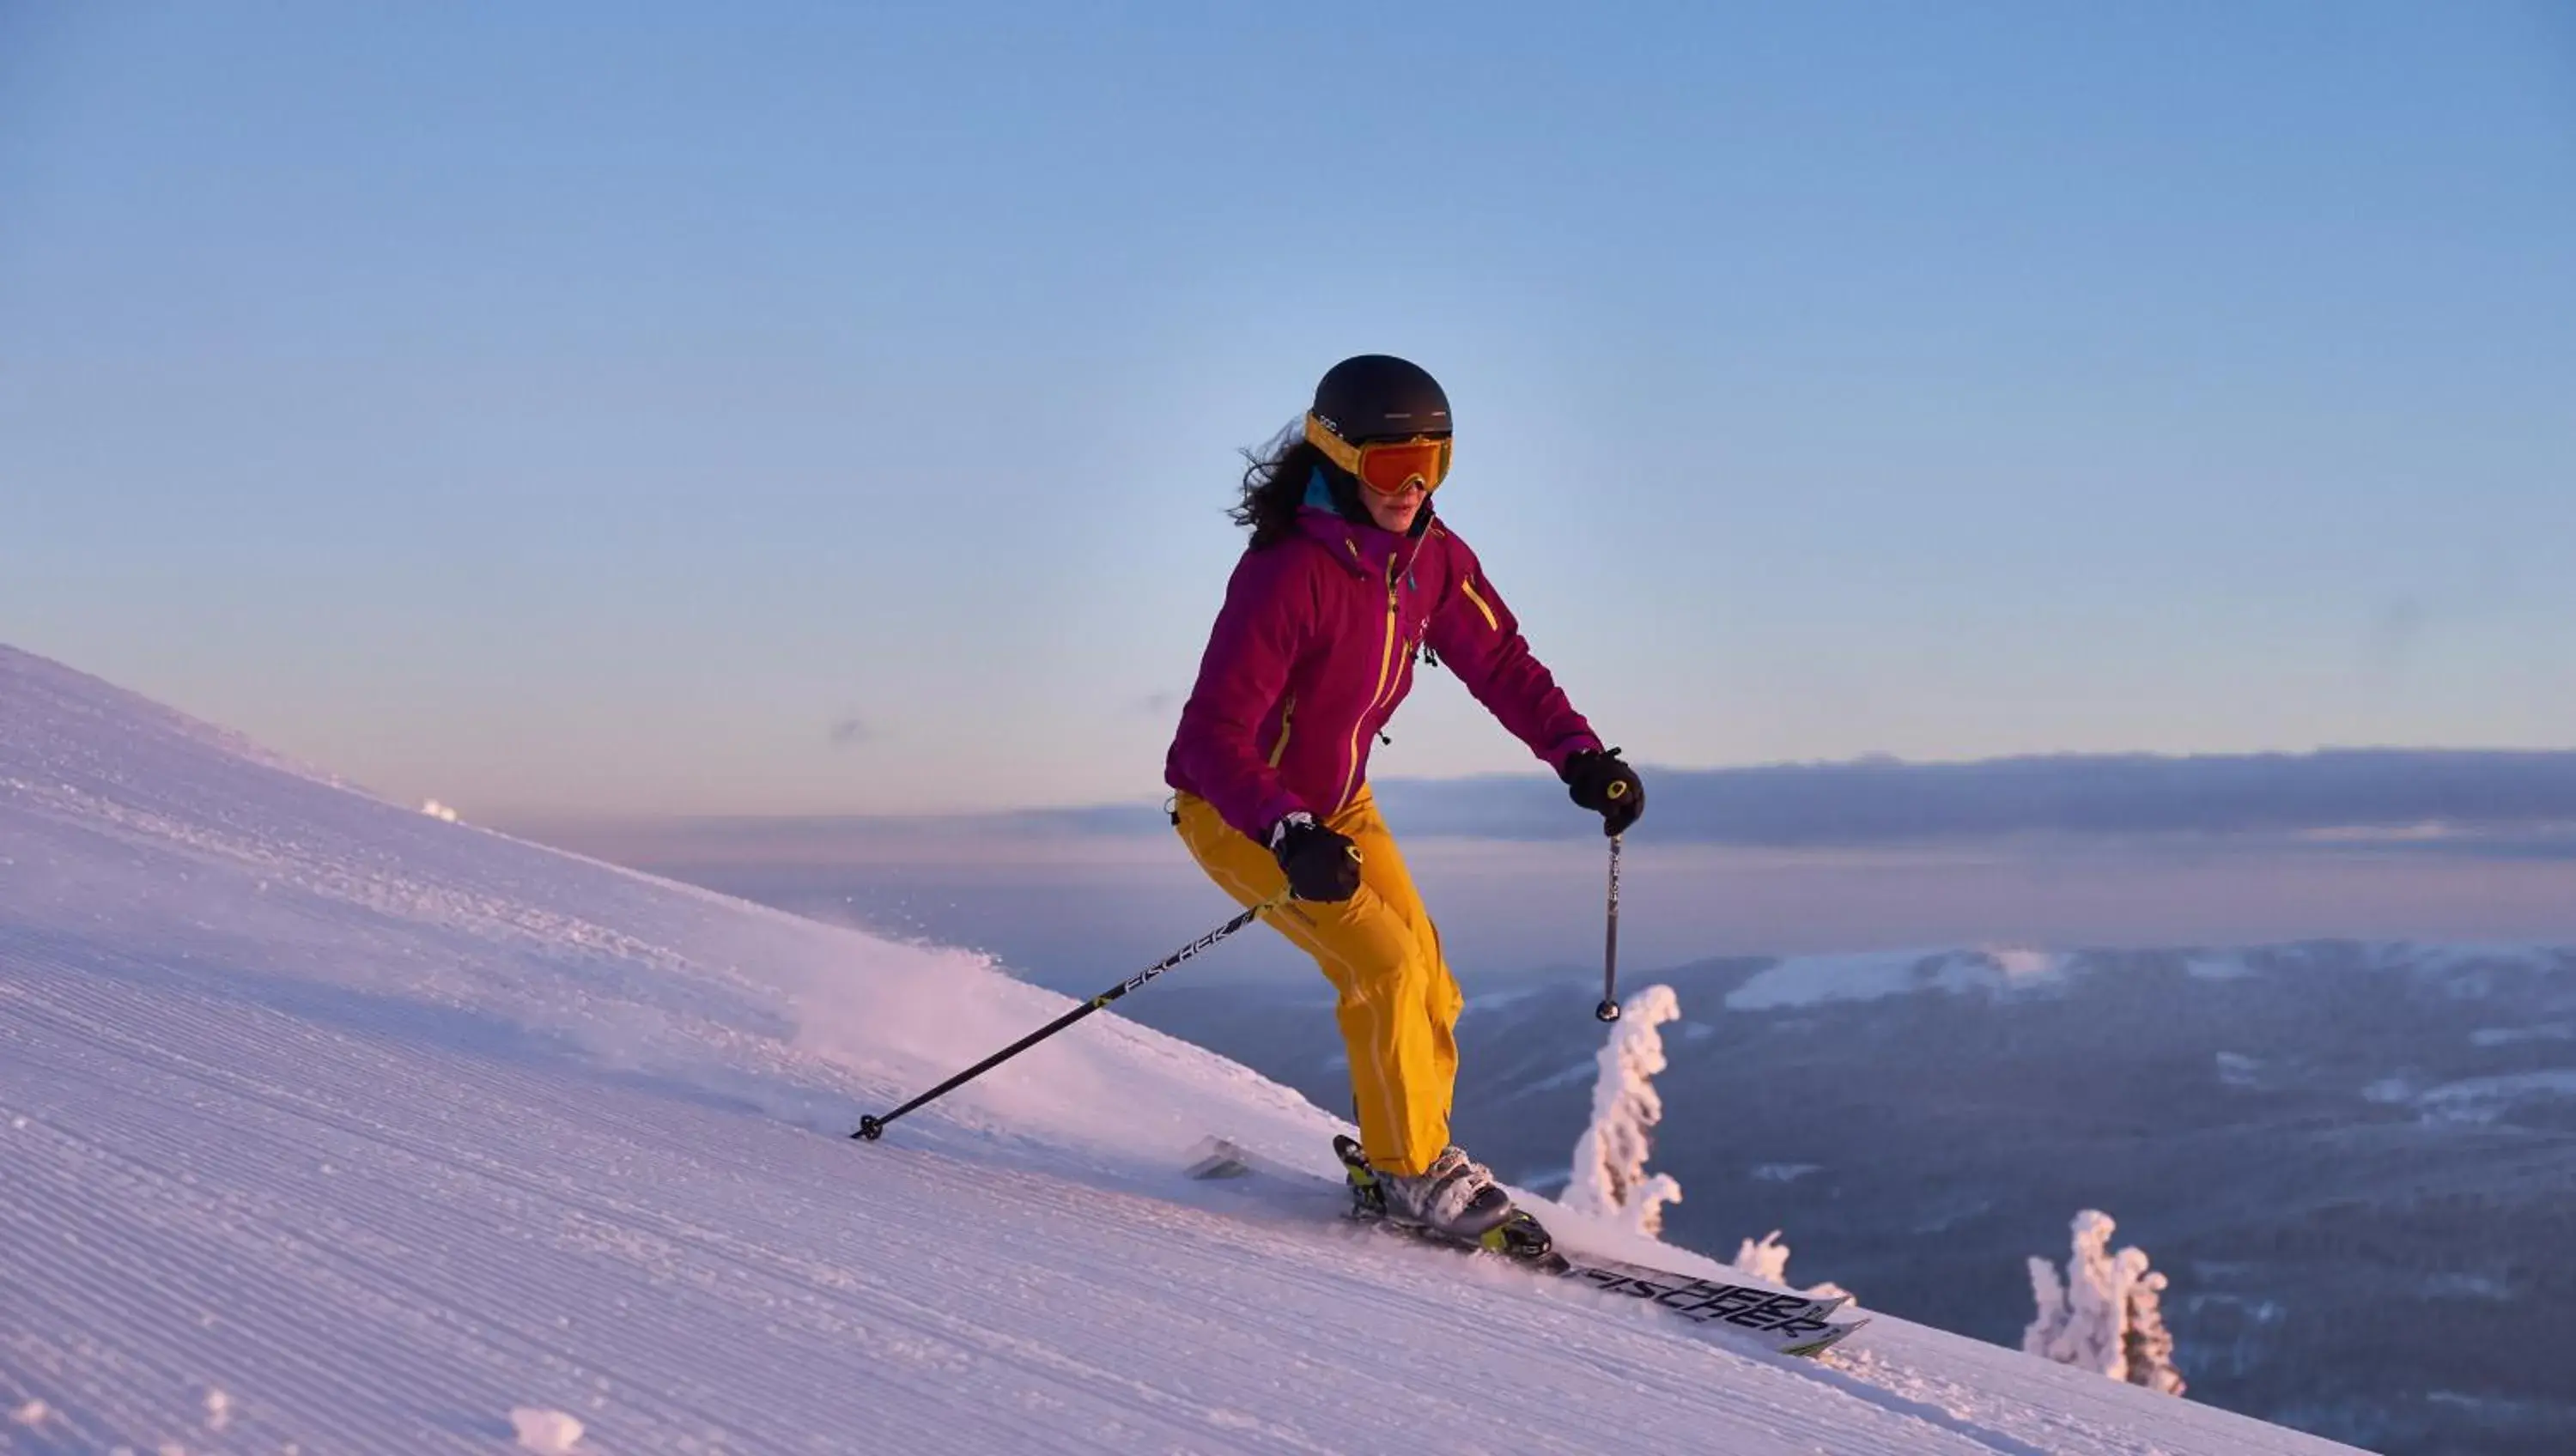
(1398, 1004)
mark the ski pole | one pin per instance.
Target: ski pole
(872, 1128)
(1608, 1010)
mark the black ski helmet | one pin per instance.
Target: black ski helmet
(1381, 397)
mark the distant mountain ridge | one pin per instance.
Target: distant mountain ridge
(2505, 801)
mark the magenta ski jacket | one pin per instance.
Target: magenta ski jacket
(1314, 649)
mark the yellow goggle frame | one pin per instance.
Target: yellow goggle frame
(1385, 466)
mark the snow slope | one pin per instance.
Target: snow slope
(328, 1126)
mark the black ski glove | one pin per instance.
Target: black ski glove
(1320, 863)
(1597, 780)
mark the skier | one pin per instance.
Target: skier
(1349, 577)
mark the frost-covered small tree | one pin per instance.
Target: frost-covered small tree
(1610, 1177)
(1768, 1261)
(2078, 1317)
(2106, 1314)
(2146, 1341)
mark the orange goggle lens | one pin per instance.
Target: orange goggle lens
(1388, 467)
(1385, 466)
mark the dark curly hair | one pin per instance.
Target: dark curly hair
(1274, 486)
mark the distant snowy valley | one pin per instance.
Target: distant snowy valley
(2356, 1161)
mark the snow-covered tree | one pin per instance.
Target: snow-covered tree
(1610, 1177)
(2148, 1344)
(1768, 1261)
(2106, 1314)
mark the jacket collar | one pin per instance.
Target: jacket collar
(1364, 548)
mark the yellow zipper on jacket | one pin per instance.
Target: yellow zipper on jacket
(1287, 716)
(1386, 661)
(1468, 585)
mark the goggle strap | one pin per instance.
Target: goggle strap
(1336, 449)
(1351, 458)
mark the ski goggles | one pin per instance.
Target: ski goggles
(1385, 466)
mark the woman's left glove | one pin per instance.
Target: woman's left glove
(1597, 780)
(1320, 862)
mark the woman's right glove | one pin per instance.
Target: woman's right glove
(1597, 780)
(1321, 864)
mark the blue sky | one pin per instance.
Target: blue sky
(831, 409)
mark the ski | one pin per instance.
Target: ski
(1792, 1324)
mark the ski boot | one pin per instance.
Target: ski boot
(1456, 1202)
